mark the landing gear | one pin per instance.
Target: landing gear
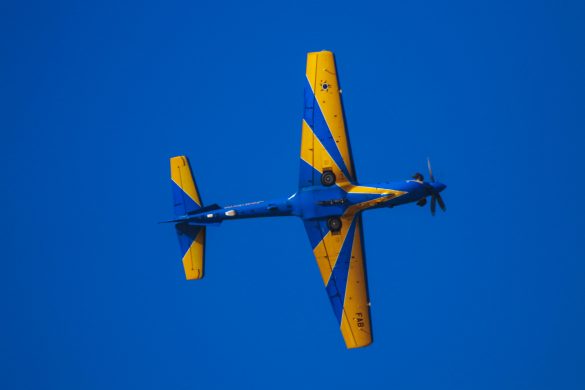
(334, 224)
(421, 202)
(328, 178)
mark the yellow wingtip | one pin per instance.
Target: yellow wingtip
(181, 174)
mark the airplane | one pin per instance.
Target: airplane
(329, 200)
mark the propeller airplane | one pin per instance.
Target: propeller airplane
(329, 201)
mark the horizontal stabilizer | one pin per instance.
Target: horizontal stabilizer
(192, 244)
(185, 194)
(211, 207)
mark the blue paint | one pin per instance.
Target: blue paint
(183, 204)
(316, 230)
(316, 121)
(97, 95)
(186, 235)
(314, 202)
(308, 176)
(338, 282)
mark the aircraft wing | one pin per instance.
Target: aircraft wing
(340, 257)
(325, 144)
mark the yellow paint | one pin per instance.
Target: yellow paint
(355, 323)
(355, 189)
(367, 204)
(385, 195)
(320, 70)
(314, 153)
(311, 71)
(307, 139)
(194, 258)
(182, 176)
(327, 252)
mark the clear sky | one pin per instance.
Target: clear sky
(96, 96)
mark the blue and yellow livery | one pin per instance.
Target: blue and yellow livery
(329, 200)
(187, 202)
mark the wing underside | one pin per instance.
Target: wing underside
(325, 143)
(325, 147)
(341, 261)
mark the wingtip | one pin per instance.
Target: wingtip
(357, 346)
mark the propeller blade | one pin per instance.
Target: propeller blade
(441, 203)
(432, 178)
(433, 204)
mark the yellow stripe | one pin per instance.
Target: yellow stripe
(334, 242)
(364, 205)
(355, 324)
(327, 252)
(314, 153)
(321, 70)
(183, 177)
(386, 194)
(373, 190)
(311, 71)
(193, 259)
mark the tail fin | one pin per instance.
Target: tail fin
(185, 195)
(192, 243)
(187, 201)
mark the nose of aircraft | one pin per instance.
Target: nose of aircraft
(438, 187)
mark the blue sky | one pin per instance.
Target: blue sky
(95, 97)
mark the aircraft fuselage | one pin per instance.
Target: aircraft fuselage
(321, 202)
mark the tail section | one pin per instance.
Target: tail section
(187, 201)
(185, 195)
(192, 243)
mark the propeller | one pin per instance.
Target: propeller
(430, 170)
(435, 195)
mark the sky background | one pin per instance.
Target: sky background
(96, 96)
